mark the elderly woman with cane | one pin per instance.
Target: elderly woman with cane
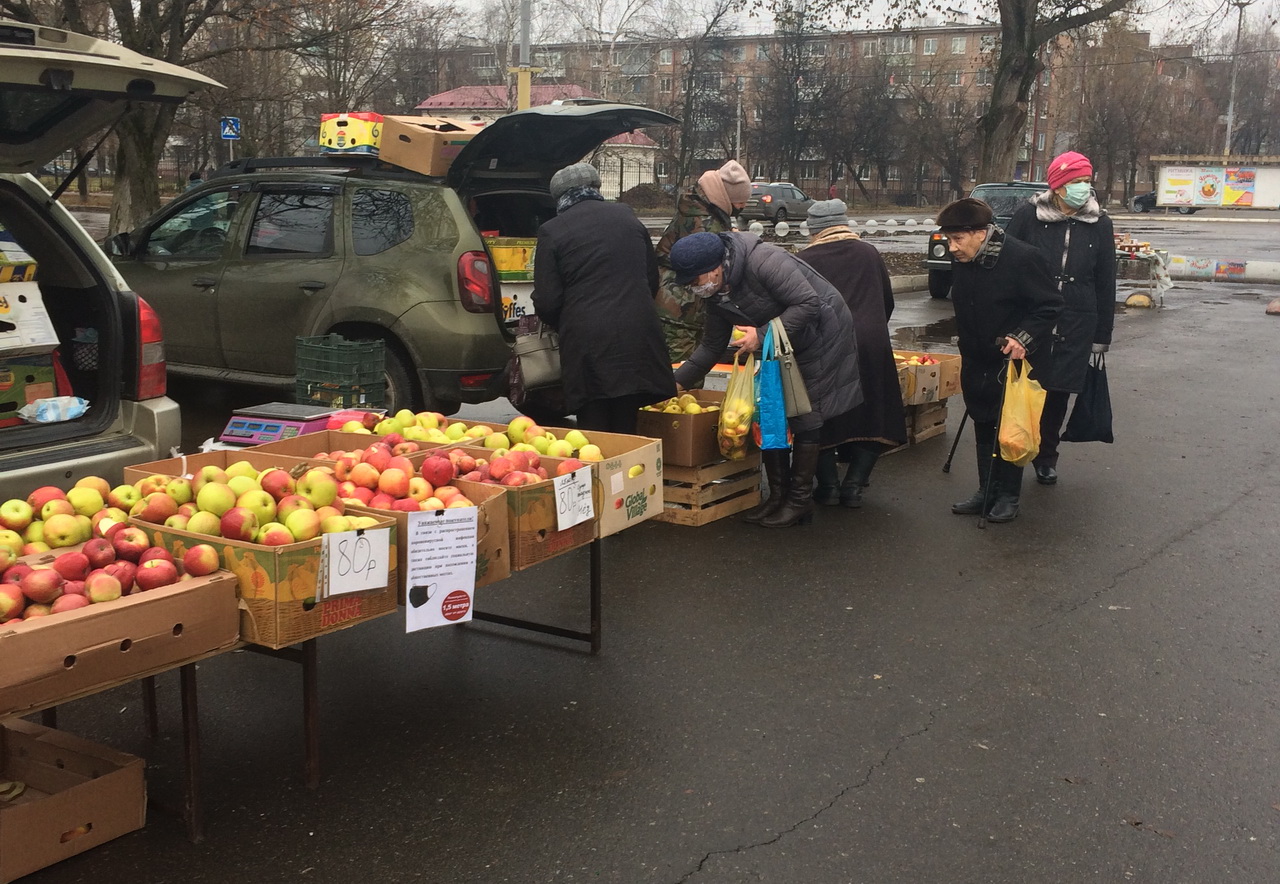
(747, 283)
(1006, 306)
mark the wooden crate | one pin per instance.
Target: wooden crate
(698, 495)
(926, 421)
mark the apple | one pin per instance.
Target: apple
(519, 460)
(496, 441)
(14, 573)
(239, 523)
(515, 478)
(42, 585)
(446, 493)
(62, 530)
(34, 549)
(462, 461)
(473, 476)
(387, 426)
(123, 497)
(241, 484)
(378, 455)
(458, 502)
(242, 468)
(34, 611)
(12, 601)
(576, 438)
(180, 490)
(499, 467)
(413, 435)
(429, 420)
(7, 557)
(200, 560)
(455, 431)
(205, 523)
(155, 507)
(155, 573)
(517, 427)
(438, 470)
(216, 498)
(303, 524)
(73, 587)
(419, 488)
(568, 466)
(278, 483)
(16, 515)
(532, 432)
(130, 543)
(72, 565)
(395, 482)
(590, 453)
(291, 503)
(405, 448)
(338, 524)
(431, 503)
(179, 521)
(381, 500)
(352, 427)
(102, 586)
(273, 534)
(393, 439)
(208, 475)
(104, 518)
(319, 487)
(11, 540)
(68, 603)
(58, 507)
(404, 505)
(260, 503)
(364, 475)
(123, 571)
(34, 533)
(361, 496)
(154, 552)
(85, 501)
(42, 495)
(99, 552)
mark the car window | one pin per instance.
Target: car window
(1003, 201)
(380, 219)
(797, 194)
(197, 229)
(292, 224)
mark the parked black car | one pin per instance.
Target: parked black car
(1146, 202)
(1004, 199)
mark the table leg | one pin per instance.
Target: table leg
(149, 706)
(592, 637)
(597, 555)
(311, 713)
(192, 805)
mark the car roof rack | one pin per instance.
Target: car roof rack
(338, 164)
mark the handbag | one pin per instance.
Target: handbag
(771, 408)
(538, 356)
(1020, 415)
(1090, 419)
(794, 393)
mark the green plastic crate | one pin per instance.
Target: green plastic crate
(340, 395)
(332, 359)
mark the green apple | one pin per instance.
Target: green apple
(542, 444)
(405, 418)
(455, 431)
(517, 427)
(495, 441)
(85, 501)
(242, 468)
(242, 484)
(577, 439)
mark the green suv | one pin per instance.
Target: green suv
(1004, 199)
(269, 250)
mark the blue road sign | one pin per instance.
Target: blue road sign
(230, 128)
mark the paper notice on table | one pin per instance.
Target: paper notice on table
(440, 575)
(573, 499)
(354, 561)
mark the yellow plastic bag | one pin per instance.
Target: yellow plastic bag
(1020, 416)
(738, 409)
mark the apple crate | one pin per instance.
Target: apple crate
(696, 496)
(187, 465)
(924, 384)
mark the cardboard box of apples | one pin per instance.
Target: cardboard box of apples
(688, 427)
(927, 377)
(103, 611)
(266, 522)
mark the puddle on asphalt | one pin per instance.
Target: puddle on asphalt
(911, 337)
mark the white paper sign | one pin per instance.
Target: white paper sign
(440, 576)
(573, 499)
(354, 561)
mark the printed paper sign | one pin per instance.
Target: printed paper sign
(354, 561)
(440, 576)
(573, 499)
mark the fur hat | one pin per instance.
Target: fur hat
(737, 184)
(1066, 166)
(695, 255)
(965, 214)
(577, 175)
(827, 213)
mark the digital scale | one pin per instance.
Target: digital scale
(273, 422)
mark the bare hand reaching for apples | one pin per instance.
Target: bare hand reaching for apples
(744, 339)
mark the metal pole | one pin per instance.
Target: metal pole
(1235, 65)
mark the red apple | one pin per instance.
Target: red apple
(73, 587)
(274, 534)
(155, 508)
(519, 461)
(68, 603)
(155, 573)
(437, 470)
(499, 467)
(12, 601)
(103, 586)
(130, 543)
(568, 465)
(404, 448)
(405, 505)
(14, 573)
(377, 455)
(278, 483)
(72, 565)
(364, 475)
(200, 560)
(34, 611)
(42, 585)
(381, 501)
(38, 498)
(394, 482)
(34, 549)
(154, 552)
(122, 570)
(239, 523)
(291, 503)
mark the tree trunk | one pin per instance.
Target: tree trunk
(142, 134)
(1003, 125)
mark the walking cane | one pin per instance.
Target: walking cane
(995, 446)
(946, 467)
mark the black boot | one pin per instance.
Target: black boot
(1007, 479)
(829, 492)
(861, 462)
(973, 506)
(777, 468)
(798, 507)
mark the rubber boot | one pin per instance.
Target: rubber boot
(777, 469)
(973, 506)
(861, 462)
(798, 506)
(829, 492)
(1007, 479)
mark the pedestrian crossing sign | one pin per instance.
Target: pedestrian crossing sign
(230, 128)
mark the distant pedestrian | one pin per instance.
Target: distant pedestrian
(1076, 237)
(594, 278)
(195, 179)
(858, 272)
(832, 192)
(707, 207)
(1006, 306)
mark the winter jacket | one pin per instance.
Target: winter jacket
(594, 278)
(679, 309)
(1080, 252)
(765, 282)
(1010, 296)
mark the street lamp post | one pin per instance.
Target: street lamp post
(1235, 64)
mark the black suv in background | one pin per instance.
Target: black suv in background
(1004, 200)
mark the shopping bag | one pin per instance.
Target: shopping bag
(771, 406)
(1090, 419)
(738, 409)
(1020, 415)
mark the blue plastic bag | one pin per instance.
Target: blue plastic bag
(771, 408)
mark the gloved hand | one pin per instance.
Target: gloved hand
(1100, 348)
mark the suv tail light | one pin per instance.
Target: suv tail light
(151, 365)
(766, 198)
(475, 282)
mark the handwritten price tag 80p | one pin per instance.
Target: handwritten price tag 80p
(357, 560)
(573, 499)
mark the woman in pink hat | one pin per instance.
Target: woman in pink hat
(1075, 235)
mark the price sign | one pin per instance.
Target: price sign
(440, 574)
(355, 561)
(573, 499)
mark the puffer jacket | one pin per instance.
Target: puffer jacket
(764, 283)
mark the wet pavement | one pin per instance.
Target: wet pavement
(888, 695)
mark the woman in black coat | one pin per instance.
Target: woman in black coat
(857, 271)
(747, 283)
(595, 275)
(1075, 235)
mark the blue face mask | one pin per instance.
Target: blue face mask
(1077, 194)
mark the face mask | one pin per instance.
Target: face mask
(705, 290)
(1077, 194)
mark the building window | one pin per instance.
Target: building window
(756, 116)
(762, 51)
(842, 50)
(870, 48)
(660, 168)
(1044, 77)
(892, 173)
(983, 106)
(1040, 141)
(926, 78)
(738, 53)
(665, 56)
(757, 172)
(900, 44)
(984, 77)
(808, 171)
(482, 62)
(973, 173)
(664, 84)
(815, 50)
(956, 78)
(955, 108)
(987, 43)
(552, 63)
(1039, 173)
(930, 45)
(959, 45)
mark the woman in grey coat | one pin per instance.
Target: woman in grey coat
(747, 283)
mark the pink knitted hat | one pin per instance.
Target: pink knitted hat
(1067, 166)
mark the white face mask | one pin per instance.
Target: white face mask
(706, 290)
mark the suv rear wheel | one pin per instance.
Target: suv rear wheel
(939, 284)
(780, 216)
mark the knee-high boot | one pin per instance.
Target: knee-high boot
(1007, 479)
(777, 469)
(861, 462)
(829, 492)
(798, 507)
(973, 505)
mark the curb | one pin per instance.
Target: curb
(916, 282)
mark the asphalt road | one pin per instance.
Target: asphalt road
(889, 695)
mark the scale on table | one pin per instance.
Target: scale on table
(273, 422)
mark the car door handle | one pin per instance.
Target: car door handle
(313, 285)
(204, 282)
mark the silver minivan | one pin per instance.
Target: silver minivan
(57, 90)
